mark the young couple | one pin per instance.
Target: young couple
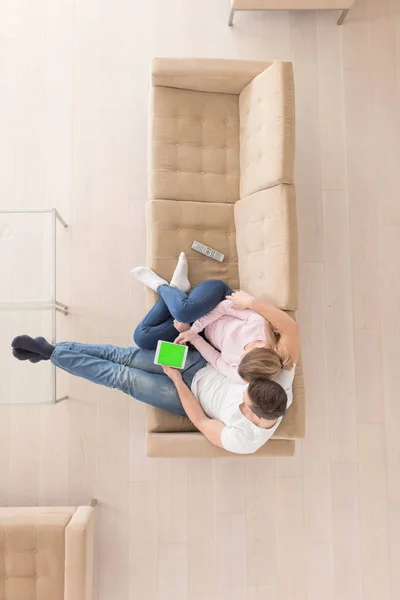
(237, 400)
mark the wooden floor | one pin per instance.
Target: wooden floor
(324, 525)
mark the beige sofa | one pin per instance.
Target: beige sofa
(221, 172)
(46, 553)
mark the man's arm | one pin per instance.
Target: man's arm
(210, 428)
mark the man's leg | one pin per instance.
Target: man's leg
(132, 357)
(156, 325)
(201, 300)
(152, 388)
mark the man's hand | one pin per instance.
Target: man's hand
(181, 327)
(174, 374)
(185, 337)
(241, 300)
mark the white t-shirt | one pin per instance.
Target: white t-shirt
(220, 399)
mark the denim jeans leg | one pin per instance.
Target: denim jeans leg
(150, 386)
(156, 325)
(201, 300)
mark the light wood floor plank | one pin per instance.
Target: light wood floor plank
(316, 445)
(4, 454)
(331, 114)
(143, 541)
(389, 244)
(362, 199)
(113, 491)
(172, 502)
(319, 571)
(231, 485)
(54, 452)
(290, 541)
(394, 533)
(260, 522)
(384, 105)
(346, 532)
(261, 592)
(339, 330)
(202, 531)
(173, 572)
(24, 456)
(374, 517)
(369, 385)
(303, 36)
(232, 556)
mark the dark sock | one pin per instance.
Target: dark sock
(38, 345)
(26, 355)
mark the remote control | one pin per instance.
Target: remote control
(199, 247)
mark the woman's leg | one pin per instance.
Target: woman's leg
(156, 325)
(201, 300)
(149, 384)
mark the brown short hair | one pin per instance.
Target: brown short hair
(260, 363)
(268, 398)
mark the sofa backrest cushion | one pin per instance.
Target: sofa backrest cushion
(194, 145)
(221, 75)
(266, 108)
(266, 239)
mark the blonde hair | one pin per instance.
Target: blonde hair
(265, 363)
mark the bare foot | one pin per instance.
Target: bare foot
(181, 327)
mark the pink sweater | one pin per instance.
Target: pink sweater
(229, 330)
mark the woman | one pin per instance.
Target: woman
(230, 321)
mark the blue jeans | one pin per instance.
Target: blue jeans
(130, 370)
(158, 324)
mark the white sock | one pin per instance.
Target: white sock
(180, 277)
(148, 277)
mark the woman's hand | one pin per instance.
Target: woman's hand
(241, 299)
(185, 337)
(181, 327)
(174, 374)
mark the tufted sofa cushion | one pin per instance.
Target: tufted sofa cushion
(194, 146)
(32, 554)
(266, 238)
(174, 227)
(266, 108)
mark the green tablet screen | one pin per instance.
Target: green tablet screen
(172, 355)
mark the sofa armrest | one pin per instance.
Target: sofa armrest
(206, 74)
(79, 555)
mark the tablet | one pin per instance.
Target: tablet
(171, 355)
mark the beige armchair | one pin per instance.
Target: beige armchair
(46, 553)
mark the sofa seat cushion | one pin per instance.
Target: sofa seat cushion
(266, 108)
(32, 554)
(266, 237)
(173, 227)
(194, 146)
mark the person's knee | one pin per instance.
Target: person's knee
(183, 313)
(139, 337)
